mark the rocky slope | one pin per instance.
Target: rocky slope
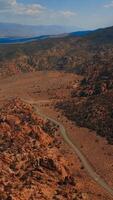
(32, 166)
(95, 113)
(70, 53)
(91, 101)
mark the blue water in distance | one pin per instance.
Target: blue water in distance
(21, 40)
(24, 40)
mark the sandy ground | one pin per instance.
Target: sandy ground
(54, 86)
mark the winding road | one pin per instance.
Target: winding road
(88, 167)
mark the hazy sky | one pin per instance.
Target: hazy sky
(81, 13)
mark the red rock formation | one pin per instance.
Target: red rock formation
(31, 166)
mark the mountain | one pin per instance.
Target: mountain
(18, 30)
(80, 33)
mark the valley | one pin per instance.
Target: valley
(44, 89)
(56, 96)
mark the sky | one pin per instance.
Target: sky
(86, 14)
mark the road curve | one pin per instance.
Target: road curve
(88, 167)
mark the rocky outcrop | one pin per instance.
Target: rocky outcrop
(31, 166)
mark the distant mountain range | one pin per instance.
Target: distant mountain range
(18, 30)
(15, 33)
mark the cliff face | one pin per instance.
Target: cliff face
(32, 166)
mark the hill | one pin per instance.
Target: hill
(91, 102)
(32, 166)
(104, 35)
(80, 33)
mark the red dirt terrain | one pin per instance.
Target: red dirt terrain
(36, 163)
(45, 89)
